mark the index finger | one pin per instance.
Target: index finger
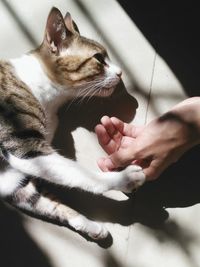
(124, 128)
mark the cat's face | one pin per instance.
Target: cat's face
(74, 62)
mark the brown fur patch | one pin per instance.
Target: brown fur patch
(77, 65)
(22, 119)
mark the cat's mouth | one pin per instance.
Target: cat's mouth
(108, 89)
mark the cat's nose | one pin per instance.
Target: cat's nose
(119, 73)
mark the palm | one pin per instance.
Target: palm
(114, 135)
(117, 143)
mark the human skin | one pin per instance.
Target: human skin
(154, 146)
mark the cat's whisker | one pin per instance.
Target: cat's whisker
(95, 81)
(92, 91)
(86, 94)
(88, 88)
(83, 91)
(93, 94)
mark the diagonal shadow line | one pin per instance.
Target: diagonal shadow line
(150, 90)
(20, 23)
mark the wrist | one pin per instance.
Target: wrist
(187, 114)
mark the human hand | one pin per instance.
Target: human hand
(115, 135)
(154, 147)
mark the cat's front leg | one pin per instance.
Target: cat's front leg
(10, 180)
(59, 170)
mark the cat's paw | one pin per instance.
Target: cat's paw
(132, 178)
(97, 231)
(94, 230)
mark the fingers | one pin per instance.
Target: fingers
(114, 125)
(122, 127)
(108, 136)
(102, 134)
(118, 159)
(115, 161)
(123, 157)
(109, 126)
(106, 142)
(112, 131)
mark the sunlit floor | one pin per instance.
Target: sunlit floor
(142, 236)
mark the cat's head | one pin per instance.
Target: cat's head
(75, 62)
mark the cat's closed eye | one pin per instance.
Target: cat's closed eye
(100, 57)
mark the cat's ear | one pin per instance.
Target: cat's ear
(56, 32)
(70, 24)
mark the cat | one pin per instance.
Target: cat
(32, 88)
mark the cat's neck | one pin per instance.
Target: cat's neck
(30, 71)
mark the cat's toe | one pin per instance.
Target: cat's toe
(134, 178)
(98, 231)
(94, 230)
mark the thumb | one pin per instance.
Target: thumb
(105, 164)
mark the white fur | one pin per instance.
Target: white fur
(31, 73)
(9, 181)
(59, 170)
(112, 70)
(93, 229)
(50, 95)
